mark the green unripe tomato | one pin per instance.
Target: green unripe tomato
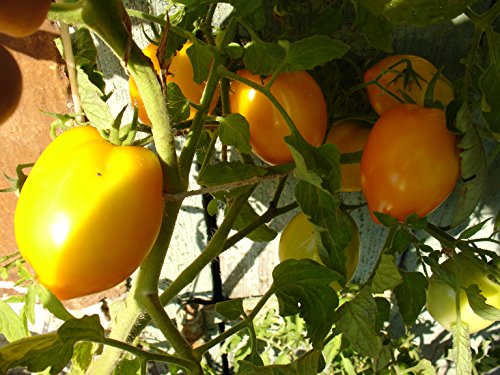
(441, 296)
(235, 51)
(297, 242)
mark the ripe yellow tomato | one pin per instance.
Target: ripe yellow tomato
(302, 99)
(11, 84)
(180, 72)
(88, 213)
(22, 18)
(395, 83)
(410, 163)
(349, 136)
(297, 242)
(441, 297)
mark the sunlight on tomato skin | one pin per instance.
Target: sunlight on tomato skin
(441, 297)
(11, 82)
(88, 213)
(180, 72)
(349, 136)
(20, 18)
(297, 242)
(300, 96)
(382, 101)
(410, 163)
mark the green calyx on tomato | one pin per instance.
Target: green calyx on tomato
(410, 163)
(441, 297)
(11, 84)
(349, 136)
(89, 212)
(302, 99)
(297, 241)
(406, 77)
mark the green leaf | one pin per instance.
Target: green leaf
(473, 167)
(263, 57)
(383, 312)
(51, 303)
(387, 275)
(303, 286)
(319, 166)
(28, 310)
(471, 231)
(178, 105)
(411, 296)
(235, 131)
(228, 172)
(489, 83)
(36, 353)
(400, 241)
(308, 53)
(244, 8)
(330, 223)
(247, 215)
(201, 58)
(376, 29)
(230, 310)
(357, 319)
(87, 328)
(478, 303)
(417, 12)
(12, 326)
(93, 105)
(423, 367)
(128, 367)
(82, 356)
(311, 362)
(461, 352)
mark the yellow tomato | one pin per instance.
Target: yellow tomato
(88, 213)
(394, 81)
(180, 72)
(441, 297)
(302, 99)
(11, 84)
(297, 242)
(349, 136)
(20, 18)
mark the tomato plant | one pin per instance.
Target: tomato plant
(441, 297)
(410, 163)
(406, 77)
(180, 71)
(349, 136)
(88, 213)
(20, 19)
(11, 82)
(302, 99)
(297, 242)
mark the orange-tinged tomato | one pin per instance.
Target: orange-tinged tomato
(394, 82)
(180, 72)
(441, 297)
(22, 18)
(349, 136)
(88, 213)
(302, 99)
(410, 163)
(11, 84)
(297, 242)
